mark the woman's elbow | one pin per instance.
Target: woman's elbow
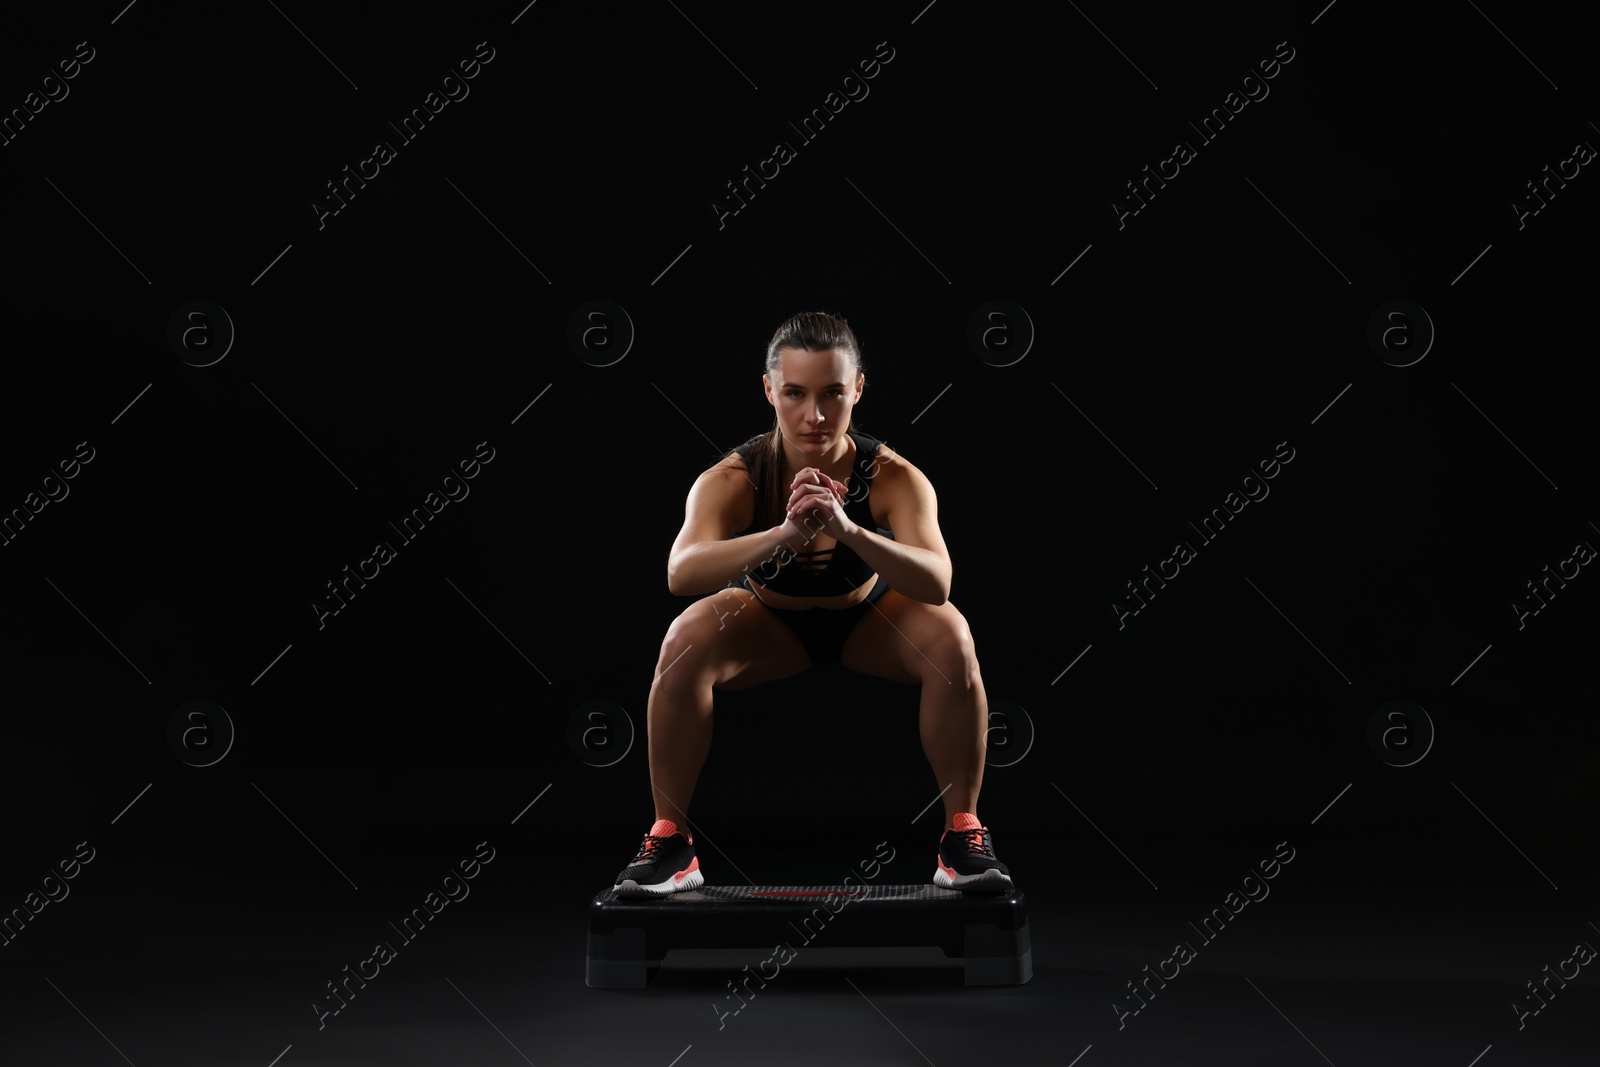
(680, 583)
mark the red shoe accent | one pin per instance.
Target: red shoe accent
(666, 828)
(694, 865)
(965, 820)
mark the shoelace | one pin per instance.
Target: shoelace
(647, 851)
(977, 840)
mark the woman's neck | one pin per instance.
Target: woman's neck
(836, 467)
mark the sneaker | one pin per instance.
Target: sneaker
(967, 860)
(665, 864)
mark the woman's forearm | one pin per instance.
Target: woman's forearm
(919, 573)
(710, 565)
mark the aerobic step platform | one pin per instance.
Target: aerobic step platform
(821, 925)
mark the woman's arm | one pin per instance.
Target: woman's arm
(916, 562)
(920, 573)
(702, 568)
(703, 558)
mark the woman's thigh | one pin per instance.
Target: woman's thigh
(732, 636)
(909, 641)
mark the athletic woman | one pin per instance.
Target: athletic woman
(813, 544)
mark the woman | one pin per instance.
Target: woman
(770, 607)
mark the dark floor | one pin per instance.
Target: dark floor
(1349, 959)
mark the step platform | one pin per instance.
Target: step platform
(871, 925)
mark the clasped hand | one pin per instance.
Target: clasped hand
(816, 500)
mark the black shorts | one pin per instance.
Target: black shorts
(823, 631)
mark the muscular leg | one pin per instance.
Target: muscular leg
(679, 726)
(727, 640)
(953, 720)
(908, 641)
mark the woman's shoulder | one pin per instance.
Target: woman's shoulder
(885, 461)
(739, 455)
(730, 468)
(732, 478)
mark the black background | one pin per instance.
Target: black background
(1179, 349)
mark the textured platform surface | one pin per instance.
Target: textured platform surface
(987, 934)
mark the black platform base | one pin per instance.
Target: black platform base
(987, 933)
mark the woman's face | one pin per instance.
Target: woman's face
(813, 397)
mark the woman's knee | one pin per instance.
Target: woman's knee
(690, 648)
(679, 649)
(954, 653)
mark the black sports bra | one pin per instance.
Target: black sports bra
(831, 571)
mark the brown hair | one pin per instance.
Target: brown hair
(813, 331)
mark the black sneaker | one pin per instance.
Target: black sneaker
(967, 860)
(665, 864)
